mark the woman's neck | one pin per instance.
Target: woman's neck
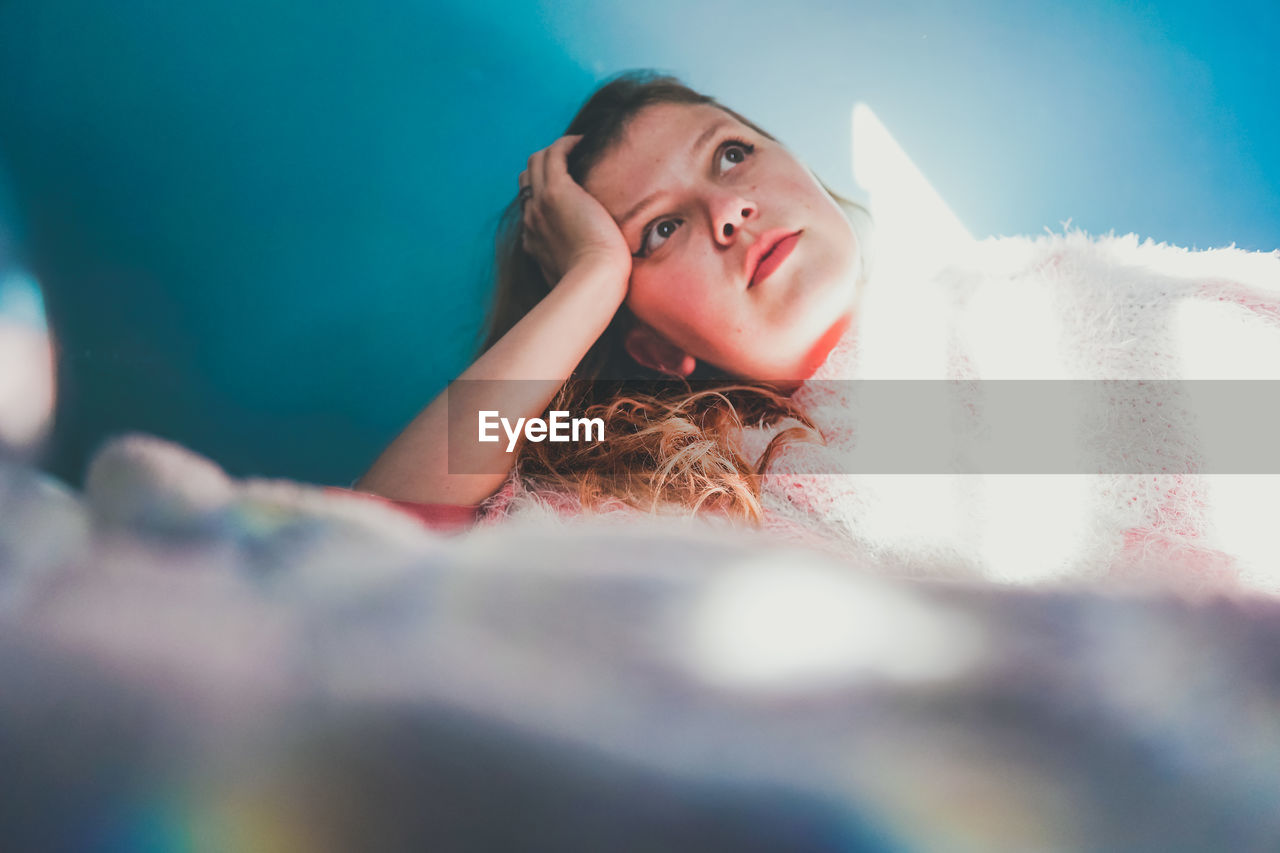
(818, 354)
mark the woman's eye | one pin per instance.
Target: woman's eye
(734, 152)
(658, 235)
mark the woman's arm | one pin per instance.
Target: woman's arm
(578, 246)
(546, 344)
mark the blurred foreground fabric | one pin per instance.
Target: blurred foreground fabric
(192, 662)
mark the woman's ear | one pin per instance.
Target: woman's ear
(655, 352)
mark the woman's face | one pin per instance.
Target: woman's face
(741, 259)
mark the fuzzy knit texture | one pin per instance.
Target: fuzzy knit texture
(1061, 306)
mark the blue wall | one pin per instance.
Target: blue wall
(263, 228)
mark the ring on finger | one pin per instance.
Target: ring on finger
(526, 193)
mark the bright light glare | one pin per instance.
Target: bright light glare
(770, 626)
(1225, 340)
(26, 364)
(915, 233)
(911, 218)
(915, 512)
(1029, 348)
(1242, 519)
(1037, 526)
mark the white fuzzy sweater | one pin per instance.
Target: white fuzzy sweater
(1057, 307)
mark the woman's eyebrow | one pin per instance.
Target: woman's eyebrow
(698, 144)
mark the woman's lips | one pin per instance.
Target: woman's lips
(773, 258)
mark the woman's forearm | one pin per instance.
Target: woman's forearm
(542, 350)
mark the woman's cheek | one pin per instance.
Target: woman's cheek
(672, 292)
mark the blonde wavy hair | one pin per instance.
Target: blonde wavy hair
(671, 442)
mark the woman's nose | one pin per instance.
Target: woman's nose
(730, 215)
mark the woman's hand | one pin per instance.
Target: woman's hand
(565, 227)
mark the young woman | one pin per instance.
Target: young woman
(668, 267)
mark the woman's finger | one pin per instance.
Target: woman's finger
(555, 164)
(524, 190)
(530, 189)
(536, 183)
